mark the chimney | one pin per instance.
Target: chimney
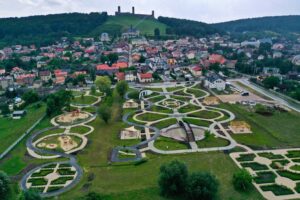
(119, 9)
(133, 12)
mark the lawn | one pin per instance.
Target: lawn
(12, 129)
(205, 114)
(212, 141)
(79, 129)
(84, 100)
(161, 109)
(150, 117)
(164, 143)
(156, 99)
(198, 122)
(278, 131)
(165, 123)
(197, 93)
(188, 108)
(172, 89)
(277, 189)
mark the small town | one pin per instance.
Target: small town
(145, 112)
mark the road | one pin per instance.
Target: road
(280, 100)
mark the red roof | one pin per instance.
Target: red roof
(105, 67)
(197, 68)
(120, 76)
(146, 76)
(216, 58)
(25, 76)
(120, 65)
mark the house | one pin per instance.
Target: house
(130, 76)
(130, 104)
(18, 114)
(196, 71)
(104, 69)
(238, 127)
(216, 58)
(230, 64)
(6, 82)
(120, 76)
(214, 81)
(25, 79)
(131, 33)
(145, 77)
(45, 75)
(130, 133)
(2, 72)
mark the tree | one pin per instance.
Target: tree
(142, 59)
(105, 113)
(93, 90)
(202, 186)
(4, 109)
(92, 196)
(122, 87)
(242, 180)
(157, 32)
(4, 185)
(30, 195)
(113, 57)
(271, 82)
(57, 101)
(172, 178)
(104, 84)
(30, 97)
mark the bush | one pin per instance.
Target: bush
(202, 186)
(30, 195)
(242, 180)
(92, 196)
(4, 185)
(172, 178)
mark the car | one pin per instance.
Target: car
(244, 94)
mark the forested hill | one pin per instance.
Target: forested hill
(47, 28)
(280, 24)
(184, 27)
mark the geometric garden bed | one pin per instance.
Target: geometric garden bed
(276, 173)
(51, 178)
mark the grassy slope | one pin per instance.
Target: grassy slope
(278, 131)
(11, 129)
(121, 23)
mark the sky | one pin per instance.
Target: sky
(209, 11)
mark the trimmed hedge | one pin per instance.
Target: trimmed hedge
(265, 177)
(277, 189)
(271, 156)
(255, 166)
(246, 157)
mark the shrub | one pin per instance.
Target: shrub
(242, 180)
(202, 186)
(4, 185)
(172, 178)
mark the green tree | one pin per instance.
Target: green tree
(157, 32)
(271, 82)
(172, 178)
(122, 87)
(242, 180)
(93, 90)
(113, 57)
(104, 84)
(30, 195)
(92, 196)
(202, 186)
(57, 101)
(105, 113)
(30, 97)
(4, 185)
(4, 109)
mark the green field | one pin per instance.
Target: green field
(278, 131)
(12, 129)
(118, 24)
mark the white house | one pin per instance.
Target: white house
(215, 82)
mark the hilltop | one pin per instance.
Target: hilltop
(279, 24)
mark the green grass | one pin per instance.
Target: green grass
(255, 166)
(117, 24)
(44, 172)
(161, 109)
(50, 132)
(171, 89)
(79, 129)
(212, 141)
(265, 177)
(62, 180)
(293, 154)
(12, 129)
(149, 117)
(55, 188)
(188, 108)
(297, 188)
(290, 175)
(66, 171)
(157, 99)
(165, 123)
(84, 100)
(296, 167)
(37, 181)
(197, 93)
(205, 114)
(182, 93)
(279, 131)
(277, 189)
(270, 156)
(246, 157)
(198, 122)
(164, 143)
(180, 98)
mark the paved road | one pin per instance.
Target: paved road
(280, 100)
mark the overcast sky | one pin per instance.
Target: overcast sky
(201, 10)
